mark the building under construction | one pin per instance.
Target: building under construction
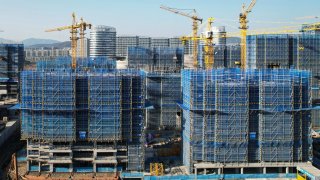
(300, 51)
(86, 120)
(234, 116)
(11, 63)
(234, 121)
(163, 83)
(162, 59)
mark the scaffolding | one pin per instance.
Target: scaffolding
(64, 63)
(47, 105)
(219, 56)
(94, 113)
(163, 92)
(307, 52)
(156, 59)
(11, 60)
(301, 51)
(104, 107)
(267, 50)
(224, 56)
(236, 116)
(285, 119)
(136, 157)
(233, 55)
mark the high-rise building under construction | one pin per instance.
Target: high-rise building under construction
(89, 120)
(11, 64)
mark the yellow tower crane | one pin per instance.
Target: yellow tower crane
(208, 48)
(74, 36)
(243, 28)
(83, 28)
(195, 20)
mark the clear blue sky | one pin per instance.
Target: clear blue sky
(22, 19)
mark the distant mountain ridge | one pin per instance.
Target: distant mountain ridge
(37, 43)
(60, 45)
(7, 41)
(34, 41)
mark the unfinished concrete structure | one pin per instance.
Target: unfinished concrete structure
(87, 120)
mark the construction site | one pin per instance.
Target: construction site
(226, 111)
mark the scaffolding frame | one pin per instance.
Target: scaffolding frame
(300, 51)
(91, 105)
(156, 59)
(246, 116)
(163, 92)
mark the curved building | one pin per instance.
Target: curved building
(219, 35)
(103, 41)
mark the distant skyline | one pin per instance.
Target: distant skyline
(21, 19)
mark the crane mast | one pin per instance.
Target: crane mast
(195, 20)
(209, 49)
(83, 28)
(243, 31)
(74, 37)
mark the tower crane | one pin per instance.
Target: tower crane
(243, 28)
(83, 28)
(195, 20)
(74, 36)
(208, 48)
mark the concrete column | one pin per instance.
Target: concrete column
(195, 173)
(39, 164)
(95, 153)
(51, 167)
(287, 170)
(264, 170)
(219, 170)
(28, 165)
(71, 167)
(241, 170)
(205, 171)
(94, 167)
